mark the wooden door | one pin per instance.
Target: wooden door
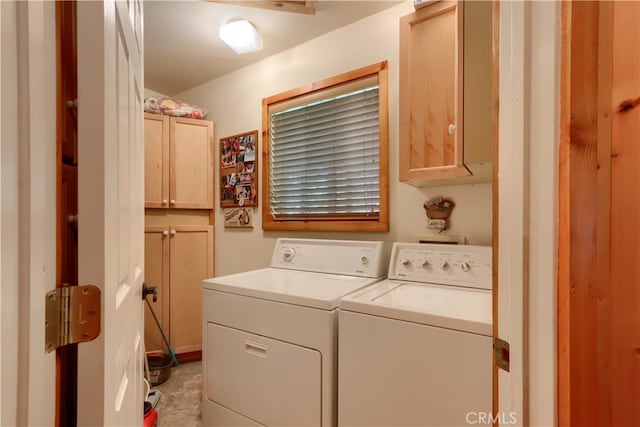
(191, 164)
(111, 208)
(156, 161)
(431, 83)
(156, 270)
(191, 263)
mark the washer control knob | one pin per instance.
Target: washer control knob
(406, 262)
(288, 254)
(444, 265)
(465, 267)
(426, 264)
(364, 259)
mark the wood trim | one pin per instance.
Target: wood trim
(603, 291)
(381, 224)
(459, 92)
(66, 198)
(495, 225)
(358, 226)
(623, 291)
(324, 84)
(404, 119)
(300, 6)
(563, 285)
(61, 405)
(598, 326)
(581, 339)
(383, 114)
(188, 357)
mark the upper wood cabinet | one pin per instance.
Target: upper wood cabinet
(445, 94)
(178, 162)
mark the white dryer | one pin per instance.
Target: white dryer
(270, 335)
(415, 349)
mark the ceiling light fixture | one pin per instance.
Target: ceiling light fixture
(241, 36)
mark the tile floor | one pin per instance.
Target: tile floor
(180, 396)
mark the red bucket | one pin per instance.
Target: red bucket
(150, 415)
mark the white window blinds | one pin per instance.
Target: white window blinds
(325, 157)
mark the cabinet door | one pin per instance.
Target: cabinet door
(156, 161)
(431, 83)
(191, 164)
(191, 263)
(156, 267)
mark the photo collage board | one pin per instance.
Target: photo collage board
(239, 170)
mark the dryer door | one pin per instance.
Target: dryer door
(267, 380)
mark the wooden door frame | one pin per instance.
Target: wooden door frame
(591, 222)
(67, 356)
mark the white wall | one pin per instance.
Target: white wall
(148, 93)
(27, 225)
(234, 102)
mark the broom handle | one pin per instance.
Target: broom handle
(164, 337)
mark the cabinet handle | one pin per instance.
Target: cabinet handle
(164, 201)
(452, 129)
(173, 232)
(173, 201)
(165, 233)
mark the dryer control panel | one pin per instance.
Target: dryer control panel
(459, 265)
(346, 257)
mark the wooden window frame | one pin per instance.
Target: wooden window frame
(379, 224)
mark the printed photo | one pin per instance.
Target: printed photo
(238, 217)
(238, 170)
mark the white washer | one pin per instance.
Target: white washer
(270, 335)
(415, 349)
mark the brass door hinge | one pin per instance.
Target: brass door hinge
(501, 353)
(72, 316)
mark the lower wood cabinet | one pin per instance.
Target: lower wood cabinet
(177, 259)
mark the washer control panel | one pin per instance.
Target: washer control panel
(462, 265)
(346, 257)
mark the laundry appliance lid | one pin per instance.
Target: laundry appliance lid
(452, 307)
(309, 289)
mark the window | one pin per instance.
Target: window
(325, 149)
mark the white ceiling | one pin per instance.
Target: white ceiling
(182, 48)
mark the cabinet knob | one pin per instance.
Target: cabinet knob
(164, 201)
(452, 129)
(172, 201)
(173, 232)
(165, 233)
